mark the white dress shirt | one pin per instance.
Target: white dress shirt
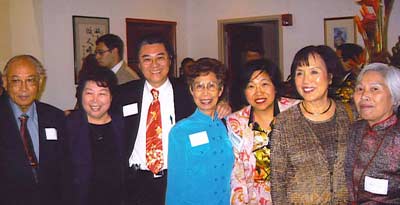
(117, 66)
(166, 98)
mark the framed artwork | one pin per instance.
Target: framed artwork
(86, 30)
(339, 30)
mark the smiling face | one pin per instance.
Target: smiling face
(206, 91)
(312, 81)
(154, 63)
(96, 101)
(260, 91)
(22, 83)
(372, 98)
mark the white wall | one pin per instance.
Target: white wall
(21, 25)
(307, 29)
(196, 28)
(5, 37)
(58, 38)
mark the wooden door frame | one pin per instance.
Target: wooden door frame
(222, 37)
(159, 22)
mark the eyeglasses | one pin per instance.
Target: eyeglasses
(147, 60)
(100, 52)
(16, 82)
(201, 86)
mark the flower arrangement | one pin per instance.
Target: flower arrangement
(373, 28)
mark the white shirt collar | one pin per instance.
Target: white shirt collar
(167, 84)
(116, 68)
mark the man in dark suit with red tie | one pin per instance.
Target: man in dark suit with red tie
(31, 138)
(155, 54)
(146, 184)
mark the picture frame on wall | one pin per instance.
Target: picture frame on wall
(339, 30)
(86, 30)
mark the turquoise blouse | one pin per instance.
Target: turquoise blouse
(200, 161)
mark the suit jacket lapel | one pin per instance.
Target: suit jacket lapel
(118, 128)
(135, 119)
(43, 123)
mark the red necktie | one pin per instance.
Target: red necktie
(154, 151)
(28, 147)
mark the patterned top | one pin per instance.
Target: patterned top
(261, 150)
(300, 172)
(373, 158)
(251, 172)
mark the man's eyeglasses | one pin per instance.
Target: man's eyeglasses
(100, 52)
(147, 60)
(16, 82)
(202, 86)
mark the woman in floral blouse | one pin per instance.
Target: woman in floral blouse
(249, 130)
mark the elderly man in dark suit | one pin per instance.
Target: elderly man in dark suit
(31, 138)
(146, 180)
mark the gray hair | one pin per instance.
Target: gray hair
(391, 76)
(38, 65)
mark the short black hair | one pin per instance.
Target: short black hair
(262, 65)
(112, 41)
(103, 78)
(350, 51)
(156, 39)
(254, 47)
(186, 60)
(328, 55)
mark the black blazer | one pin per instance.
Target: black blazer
(80, 154)
(132, 92)
(17, 184)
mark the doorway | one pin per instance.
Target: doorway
(233, 37)
(138, 28)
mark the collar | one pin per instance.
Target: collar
(18, 112)
(254, 125)
(116, 68)
(347, 76)
(166, 85)
(384, 124)
(201, 116)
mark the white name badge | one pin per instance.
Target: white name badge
(376, 186)
(51, 133)
(131, 109)
(198, 138)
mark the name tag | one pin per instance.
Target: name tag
(376, 186)
(131, 109)
(51, 133)
(198, 138)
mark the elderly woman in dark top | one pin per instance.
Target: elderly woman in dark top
(309, 140)
(95, 142)
(373, 154)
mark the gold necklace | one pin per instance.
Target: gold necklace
(325, 111)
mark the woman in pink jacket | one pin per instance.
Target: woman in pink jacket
(249, 130)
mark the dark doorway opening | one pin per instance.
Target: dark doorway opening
(235, 35)
(138, 28)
